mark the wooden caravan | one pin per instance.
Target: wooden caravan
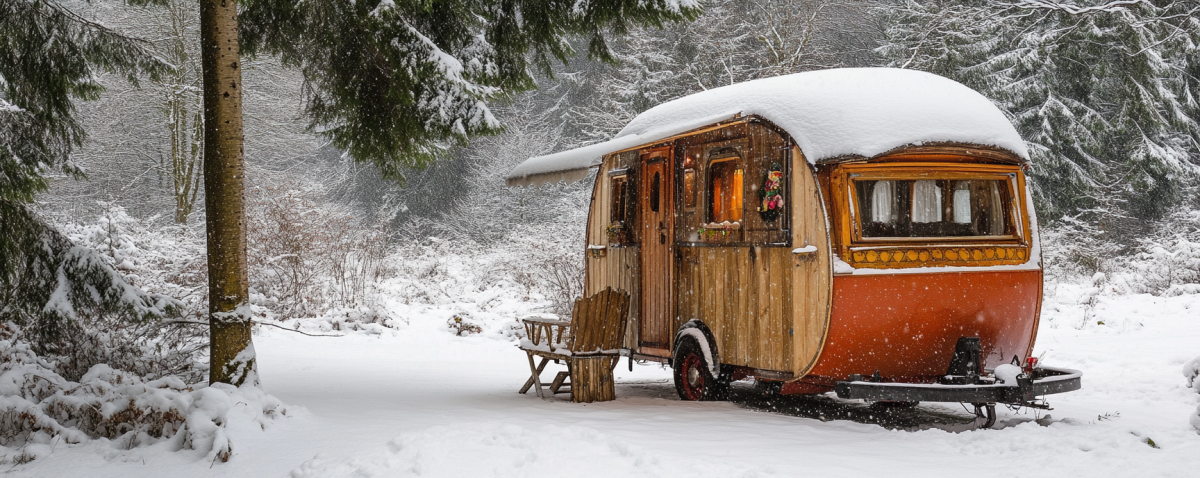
(863, 226)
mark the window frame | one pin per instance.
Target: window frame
(1008, 175)
(734, 157)
(623, 196)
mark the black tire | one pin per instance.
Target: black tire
(693, 378)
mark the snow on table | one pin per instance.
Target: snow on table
(830, 113)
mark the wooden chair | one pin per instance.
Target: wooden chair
(591, 351)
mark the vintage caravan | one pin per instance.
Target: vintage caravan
(868, 231)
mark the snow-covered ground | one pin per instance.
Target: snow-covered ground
(417, 400)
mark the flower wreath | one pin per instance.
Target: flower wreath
(771, 194)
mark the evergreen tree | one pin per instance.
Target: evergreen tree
(1104, 94)
(398, 83)
(49, 58)
(733, 41)
(68, 296)
(391, 83)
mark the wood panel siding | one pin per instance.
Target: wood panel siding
(767, 307)
(742, 294)
(618, 268)
(812, 273)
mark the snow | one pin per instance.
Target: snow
(695, 333)
(418, 400)
(805, 250)
(170, 417)
(830, 113)
(1007, 373)
(6, 107)
(572, 165)
(842, 267)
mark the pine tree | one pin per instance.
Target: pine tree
(49, 58)
(392, 83)
(1104, 94)
(733, 41)
(63, 293)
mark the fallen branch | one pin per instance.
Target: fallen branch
(299, 332)
(196, 322)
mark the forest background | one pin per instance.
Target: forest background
(1106, 94)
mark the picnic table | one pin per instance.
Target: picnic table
(591, 348)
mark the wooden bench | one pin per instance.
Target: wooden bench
(591, 349)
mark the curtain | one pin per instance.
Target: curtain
(962, 202)
(883, 200)
(927, 201)
(996, 212)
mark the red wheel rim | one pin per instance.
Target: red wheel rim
(693, 377)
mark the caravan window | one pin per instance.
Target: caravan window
(620, 199)
(725, 190)
(951, 207)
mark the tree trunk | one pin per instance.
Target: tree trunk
(231, 351)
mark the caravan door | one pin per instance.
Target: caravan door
(657, 231)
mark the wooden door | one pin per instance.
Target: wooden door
(657, 231)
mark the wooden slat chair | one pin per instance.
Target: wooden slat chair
(591, 351)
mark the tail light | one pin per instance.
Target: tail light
(1030, 363)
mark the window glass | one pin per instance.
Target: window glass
(689, 188)
(655, 191)
(725, 191)
(619, 198)
(689, 183)
(934, 208)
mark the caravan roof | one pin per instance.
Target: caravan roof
(829, 113)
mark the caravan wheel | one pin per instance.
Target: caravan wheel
(693, 380)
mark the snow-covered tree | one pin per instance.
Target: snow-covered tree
(64, 294)
(389, 83)
(1105, 93)
(733, 41)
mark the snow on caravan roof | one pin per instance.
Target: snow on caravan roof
(829, 113)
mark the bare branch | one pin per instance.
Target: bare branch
(1073, 9)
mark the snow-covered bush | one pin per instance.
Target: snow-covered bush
(1075, 249)
(463, 324)
(307, 258)
(169, 260)
(1167, 262)
(1164, 262)
(547, 263)
(38, 407)
(1191, 371)
(78, 310)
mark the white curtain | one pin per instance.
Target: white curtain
(927, 201)
(996, 218)
(962, 202)
(883, 200)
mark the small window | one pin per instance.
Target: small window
(619, 199)
(725, 191)
(962, 202)
(689, 183)
(655, 191)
